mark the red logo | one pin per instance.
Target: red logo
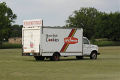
(70, 40)
(31, 45)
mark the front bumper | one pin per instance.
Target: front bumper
(98, 53)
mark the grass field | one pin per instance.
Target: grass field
(13, 66)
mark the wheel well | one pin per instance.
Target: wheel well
(56, 53)
(94, 51)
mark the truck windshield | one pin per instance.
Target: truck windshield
(85, 41)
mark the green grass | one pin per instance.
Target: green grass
(13, 66)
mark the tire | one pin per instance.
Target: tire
(39, 58)
(79, 57)
(55, 57)
(93, 55)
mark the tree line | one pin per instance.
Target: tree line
(96, 24)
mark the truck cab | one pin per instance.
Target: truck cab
(89, 49)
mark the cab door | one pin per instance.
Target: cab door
(86, 47)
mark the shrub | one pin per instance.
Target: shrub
(107, 43)
(7, 45)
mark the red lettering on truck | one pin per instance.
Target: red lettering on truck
(70, 40)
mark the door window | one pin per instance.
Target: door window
(85, 41)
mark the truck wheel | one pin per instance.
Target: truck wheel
(79, 57)
(93, 55)
(39, 58)
(55, 57)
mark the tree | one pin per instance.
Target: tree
(108, 26)
(84, 18)
(7, 17)
(16, 31)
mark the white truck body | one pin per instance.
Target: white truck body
(45, 41)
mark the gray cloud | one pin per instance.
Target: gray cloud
(55, 12)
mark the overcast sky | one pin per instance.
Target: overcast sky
(56, 12)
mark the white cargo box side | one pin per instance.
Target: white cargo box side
(53, 40)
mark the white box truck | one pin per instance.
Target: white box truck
(53, 42)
